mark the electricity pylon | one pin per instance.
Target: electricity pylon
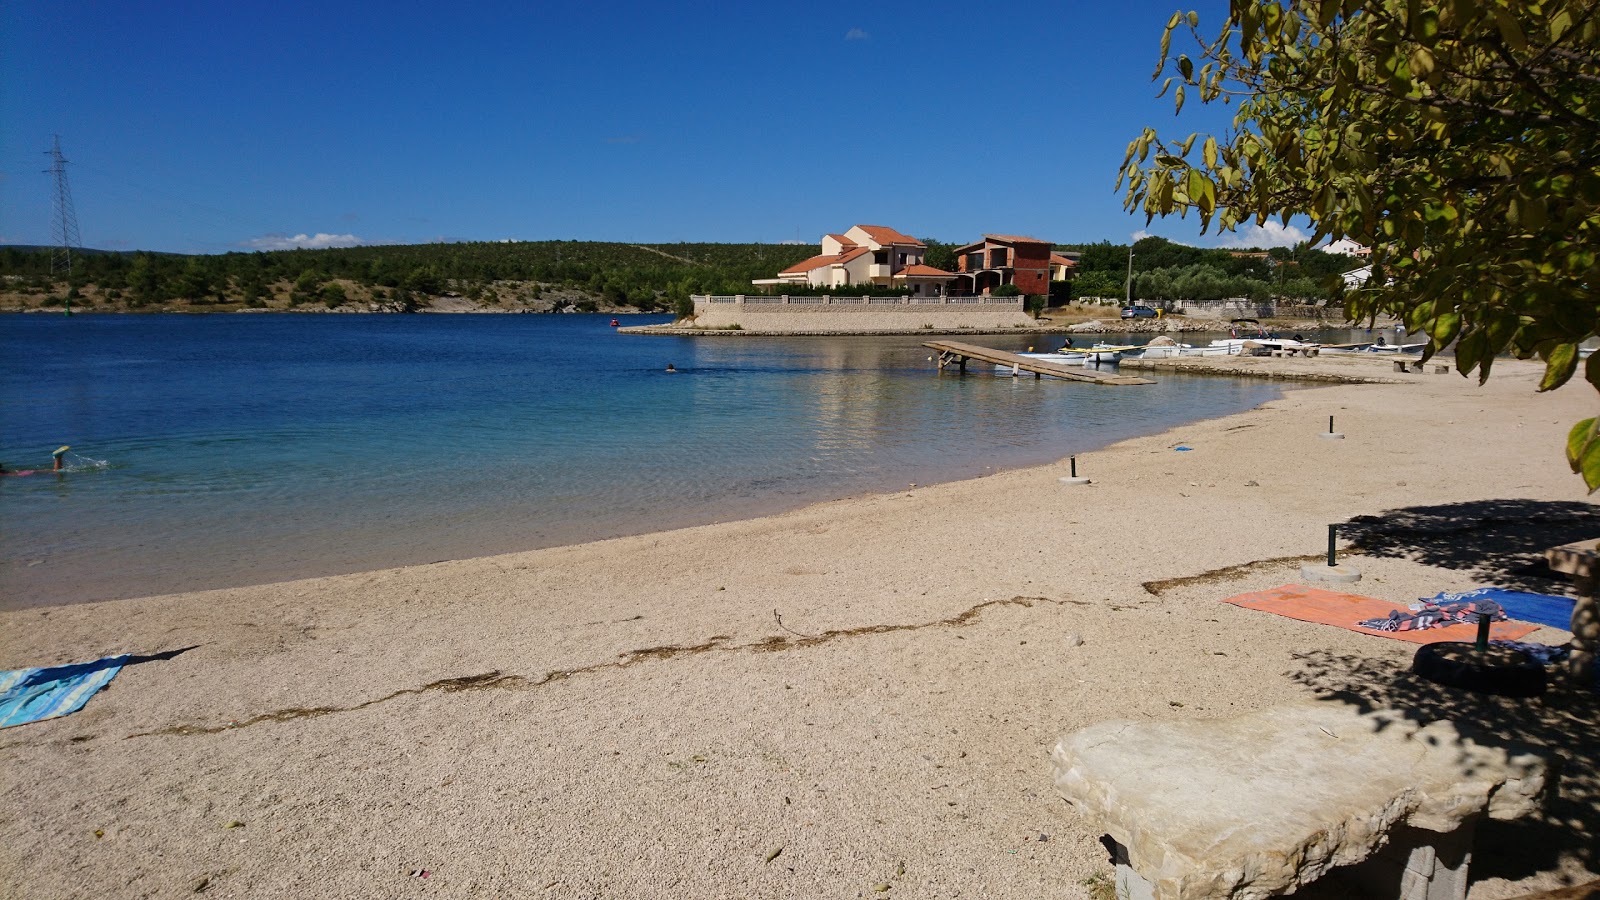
(65, 221)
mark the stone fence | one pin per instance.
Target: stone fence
(828, 300)
(825, 313)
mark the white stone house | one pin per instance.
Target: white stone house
(1348, 248)
(867, 255)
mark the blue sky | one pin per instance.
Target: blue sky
(209, 127)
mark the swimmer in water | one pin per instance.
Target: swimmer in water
(58, 454)
(671, 367)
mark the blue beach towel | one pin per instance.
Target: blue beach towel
(1540, 609)
(31, 695)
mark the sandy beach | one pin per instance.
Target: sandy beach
(856, 699)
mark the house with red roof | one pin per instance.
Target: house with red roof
(867, 255)
(1002, 259)
(1063, 266)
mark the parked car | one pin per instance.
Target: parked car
(1139, 312)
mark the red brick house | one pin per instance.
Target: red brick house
(1001, 259)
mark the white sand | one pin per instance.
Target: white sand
(655, 732)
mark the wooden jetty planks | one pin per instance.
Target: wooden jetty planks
(959, 353)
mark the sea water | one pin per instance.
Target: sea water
(220, 450)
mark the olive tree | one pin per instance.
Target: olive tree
(1459, 139)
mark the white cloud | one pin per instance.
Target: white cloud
(318, 241)
(1140, 235)
(856, 34)
(1272, 234)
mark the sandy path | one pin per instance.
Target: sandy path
(629, 718)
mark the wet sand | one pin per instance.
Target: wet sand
(853, 699)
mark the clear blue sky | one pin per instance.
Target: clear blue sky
(208, 127)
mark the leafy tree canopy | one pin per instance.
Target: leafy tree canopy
(1459, 139)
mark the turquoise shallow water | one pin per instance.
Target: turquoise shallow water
(220, 450)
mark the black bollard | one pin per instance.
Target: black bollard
(1074, 467)
(1483, 632)
(1333, 533)
(1330, 424)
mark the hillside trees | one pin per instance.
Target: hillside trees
(624, 273)
(1459, 139)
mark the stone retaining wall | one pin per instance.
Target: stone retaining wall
(821, 315)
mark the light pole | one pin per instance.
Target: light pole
(1128, 288)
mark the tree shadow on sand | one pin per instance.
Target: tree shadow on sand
(1500, 542)
(1561, 722)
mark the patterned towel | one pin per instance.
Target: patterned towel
(1432, 615)
(32, 695)
(1540, 609)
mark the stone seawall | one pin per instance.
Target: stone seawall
(884, 315)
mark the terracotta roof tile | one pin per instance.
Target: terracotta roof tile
(815, 262)
(886, 236)
(929, 271)
(1014, 239)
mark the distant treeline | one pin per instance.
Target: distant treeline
(648, 277)
(1165, 271)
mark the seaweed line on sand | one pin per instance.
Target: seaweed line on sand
(501, 680)
(1229, 573)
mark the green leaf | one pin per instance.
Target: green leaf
(1510, 31)
(1559, 23)
(1473, 352)
(1583, 451)
(1421, 62)
(1559, 364)
(1425, 27)
(1444, 328)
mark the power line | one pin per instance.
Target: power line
(65, 221)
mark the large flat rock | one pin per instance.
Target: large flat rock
(1258, 805)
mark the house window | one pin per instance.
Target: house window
(880, 257)
(902, 260)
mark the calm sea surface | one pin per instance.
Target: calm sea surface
(218, 450)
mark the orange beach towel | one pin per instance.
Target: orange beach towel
(1309, 604)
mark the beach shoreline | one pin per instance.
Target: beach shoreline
(868, 688)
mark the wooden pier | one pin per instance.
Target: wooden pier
(959, 353)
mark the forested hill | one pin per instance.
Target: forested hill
(587, 273)
(542, 276)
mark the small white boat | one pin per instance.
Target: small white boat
(1363, 349)
(1256, 346)
(1075, 356)
(1397, 348)
(1094, 353)
(1162, 347)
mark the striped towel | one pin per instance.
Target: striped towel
(31, 695)
(1434, 615)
